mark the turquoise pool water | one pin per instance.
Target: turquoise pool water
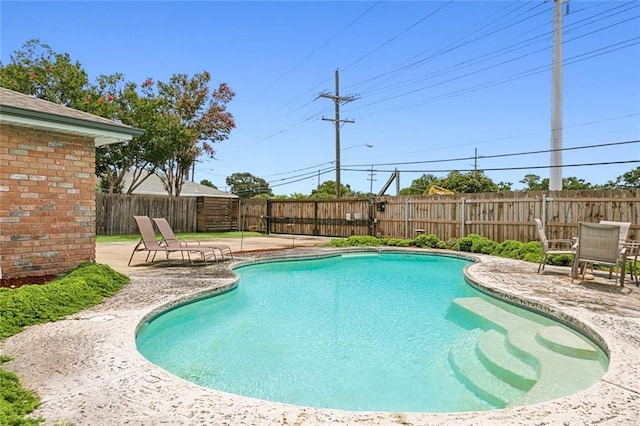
(368, 332)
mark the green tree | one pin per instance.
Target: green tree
(533, 183)
(421, 185)
(208, 183)
(196, 117)
(112, 98)
(246, 185)
(39, 71)
(116, 99)
(327, 189)
(573, 182)
(466, 183)
(628, 180)
(298, 195)
(504, 186)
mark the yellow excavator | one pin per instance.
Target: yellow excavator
(436, 190)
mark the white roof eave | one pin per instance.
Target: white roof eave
(100, 137)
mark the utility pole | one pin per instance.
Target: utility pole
(337, 99)
(371, 179)
(475, 160)
(555, 174)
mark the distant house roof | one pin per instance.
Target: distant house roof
(24, 110)
(154, 186)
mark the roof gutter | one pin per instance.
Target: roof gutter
(104, 133)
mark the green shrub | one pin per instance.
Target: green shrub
(559, 259)
(337, 242)
(474, 243)
(396, 242)
(15, 401)
(430, 241)
(364, 240)
(509, 248)
(531, 252)
(81, 288)
(463, 244)
(483, 245)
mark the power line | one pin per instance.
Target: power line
(517, 76)
(459, 92)
(495, 169)
(315, 167)
(370, 168)
(513, 154)
(406, 30)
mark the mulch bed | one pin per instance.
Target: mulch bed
(19, 282)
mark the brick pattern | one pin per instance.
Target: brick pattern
(47, 201)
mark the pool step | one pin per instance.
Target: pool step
(542, 362)
(475, 375)
(560, 340)
(493, 350)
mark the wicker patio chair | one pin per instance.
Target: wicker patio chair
(551, 247)
(598, 244)
(169, 238)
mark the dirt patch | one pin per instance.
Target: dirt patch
(20, 281)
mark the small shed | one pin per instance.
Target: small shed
(47, 184)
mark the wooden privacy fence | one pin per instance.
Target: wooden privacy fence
(507, 215)
(114, 213)
(337, 218)
(497, 216)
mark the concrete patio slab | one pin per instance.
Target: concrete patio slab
(87, 370)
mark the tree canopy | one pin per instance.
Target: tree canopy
(182, 118)
(39, 71)
(471, 182)
(327, 189)
(246, 185)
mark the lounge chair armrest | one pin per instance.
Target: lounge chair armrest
(189, 240)
(560, 242)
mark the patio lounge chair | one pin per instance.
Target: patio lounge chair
(598, 244)
(553, 247)
(149, 243)
(171, 241)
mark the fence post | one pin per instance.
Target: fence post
(544, 212)
(371, 222)
(316, 229)
(462, 216)
(406, 218)
(268, 218)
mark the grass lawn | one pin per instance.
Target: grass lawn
(199, 235)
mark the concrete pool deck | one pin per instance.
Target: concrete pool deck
(87, 371)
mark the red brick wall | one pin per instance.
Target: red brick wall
(47, 201)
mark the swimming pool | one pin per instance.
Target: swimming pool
(388, 332)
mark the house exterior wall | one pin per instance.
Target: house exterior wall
(47, 201)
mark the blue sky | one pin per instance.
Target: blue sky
(434, 81)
